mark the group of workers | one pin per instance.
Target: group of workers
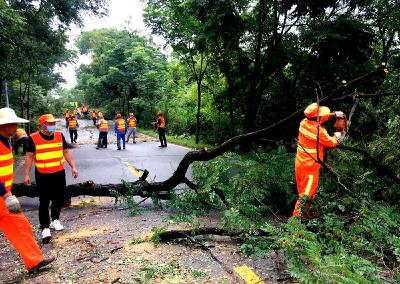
(123, 128)
(47, 149)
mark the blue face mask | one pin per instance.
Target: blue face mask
(51, 128)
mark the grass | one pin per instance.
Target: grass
(183, 140)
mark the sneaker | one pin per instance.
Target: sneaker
(161, 146)
(41, 265)
(119, 149)
(46, 235)
(56, 225)
(134, 142)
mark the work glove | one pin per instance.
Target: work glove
(339, 114)
(12, 204)
(339, 135)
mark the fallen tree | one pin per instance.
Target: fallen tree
(162, 189)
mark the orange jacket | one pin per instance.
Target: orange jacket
(131, 122)
(162, 122)
(103, 125)
(307, 144)
(72, 123)
(120, 125)
(49, 155)
(6, 166)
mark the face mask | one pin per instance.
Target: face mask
(51, 128)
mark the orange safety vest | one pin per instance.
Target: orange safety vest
(103, 125)
(306, 156)
(6, 166)
(72, 123)
(93, 114)
(20, 133)
(49, 155)
(121, 125)
(162, 125)
(131, 122)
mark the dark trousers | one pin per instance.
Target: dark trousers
(102, 139)
(73, 134)
(161, 136)
(51, 187)
(119, 137)
(66, 123)
(24, 142)
(94, 120)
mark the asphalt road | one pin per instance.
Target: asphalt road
(105, 166)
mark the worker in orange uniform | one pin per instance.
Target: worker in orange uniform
(131, 121)
(13, 223)
(120, 131)
(20, 137)
(48, 149)
(73, 128)
(94, 115)
(307, 165)
(102, 125)
(161, 129)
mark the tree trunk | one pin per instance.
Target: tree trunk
(198, 110)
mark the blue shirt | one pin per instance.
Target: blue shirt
(6, 142)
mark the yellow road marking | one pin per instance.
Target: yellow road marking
(248, 275)
(133, 169)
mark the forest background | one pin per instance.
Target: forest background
(236, 67)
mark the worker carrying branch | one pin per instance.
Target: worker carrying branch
(312, 141)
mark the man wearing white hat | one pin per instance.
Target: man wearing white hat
(13, 223)
(48, 149)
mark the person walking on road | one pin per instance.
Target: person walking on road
(102, 125)
(120, 131)
(161, 129)
(313, 138)
(13, 223)
(131, 121)
(20, 137)
(73, 128)
(48, 149)
(94, 116)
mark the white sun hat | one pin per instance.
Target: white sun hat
(7, 115)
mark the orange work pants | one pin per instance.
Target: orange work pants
(307, 184)
(18, 231)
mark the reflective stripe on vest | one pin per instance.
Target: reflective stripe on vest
(72, 124)
(132, 122)
(103, 125)
(120, 125)
(49, 155)
(162, 124)
(6, 166)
